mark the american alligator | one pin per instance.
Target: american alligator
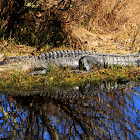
(74, 59)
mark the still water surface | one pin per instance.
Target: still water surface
(108, 111)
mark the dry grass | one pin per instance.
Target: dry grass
(109, 26)
(110, 15)
(121, 42)
(9, 48)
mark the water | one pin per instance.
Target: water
(108, 111)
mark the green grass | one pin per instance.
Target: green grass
(64, 78)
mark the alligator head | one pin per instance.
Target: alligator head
(14, 64)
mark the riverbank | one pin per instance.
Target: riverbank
(60, 77)
(56, 76)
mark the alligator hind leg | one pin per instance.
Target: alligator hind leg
(87, 62)
(84, 64)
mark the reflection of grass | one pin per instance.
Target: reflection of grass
(60, 77)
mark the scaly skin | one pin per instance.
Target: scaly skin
(74, 59)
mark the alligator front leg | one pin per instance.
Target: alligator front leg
(87, 62)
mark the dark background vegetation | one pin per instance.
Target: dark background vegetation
(41, 22)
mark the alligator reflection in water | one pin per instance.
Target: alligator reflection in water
(108, 114)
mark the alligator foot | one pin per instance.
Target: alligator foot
(36, 72)
(79, 71)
